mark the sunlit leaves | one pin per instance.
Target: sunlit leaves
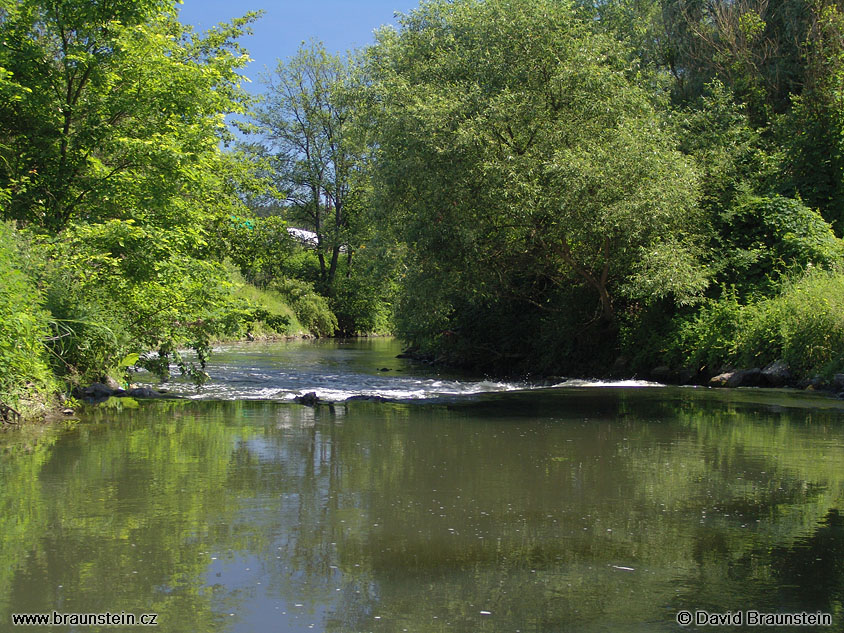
(117, 105)
(521, 161)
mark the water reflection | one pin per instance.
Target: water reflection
(813, 567)
(569, 510)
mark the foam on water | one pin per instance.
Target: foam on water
(338, 371)
(576, 382)
(336, 388)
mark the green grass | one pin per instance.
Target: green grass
(26, 380)
(273, 303)
(803, 326)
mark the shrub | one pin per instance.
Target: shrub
(116, 288)
(262, 311)
(25, 374)
(362, 302)
(705, 340)
(803, 326)
(312, 309)
(770, 238)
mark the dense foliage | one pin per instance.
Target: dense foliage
(802, 326)
(533, 178)
(24, 368)
(574, 182)
(112, 169)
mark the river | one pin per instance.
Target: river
(459, 505)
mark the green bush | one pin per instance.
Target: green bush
(116, 288)
(312, 309)
(644, 333)
(758, 334)
(705, 340)
(771, 238)
(25, 374)
(87, 337)
(803, 326)
(363, 301)
(302, 264)
(265, 312)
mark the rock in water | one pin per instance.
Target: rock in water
(143, 392)
(745, 378)
(309, 399)
(97, 390)
(721, 379)
(777, 374)
(368, 399)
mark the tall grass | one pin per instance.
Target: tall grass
(25, 376)
(300, 307)
(803, 326)
(271, 303)
(312, 309)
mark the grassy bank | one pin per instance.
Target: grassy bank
(69, 321)
(27, 381)
(802, 326)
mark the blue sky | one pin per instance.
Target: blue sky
(340, 24)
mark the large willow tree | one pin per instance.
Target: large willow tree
(539, 192)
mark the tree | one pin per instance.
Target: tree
(521, 163)
(110, 151)
(306, 124)
(814, 128)
(118, 110)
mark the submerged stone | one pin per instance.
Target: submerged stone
(309, 399)
(143, 392)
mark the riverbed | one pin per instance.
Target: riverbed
(460, 504)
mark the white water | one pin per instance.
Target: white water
(577, 382)
(336, 370)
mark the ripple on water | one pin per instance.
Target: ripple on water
(336, 371)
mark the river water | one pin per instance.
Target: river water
(464, 505)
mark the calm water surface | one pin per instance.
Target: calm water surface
(468, 506)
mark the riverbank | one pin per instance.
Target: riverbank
(61, 407)
(58, 404)
(775, 375)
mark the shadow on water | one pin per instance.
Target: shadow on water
(813, 567)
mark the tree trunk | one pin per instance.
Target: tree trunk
(320, 240)
(598, 283)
